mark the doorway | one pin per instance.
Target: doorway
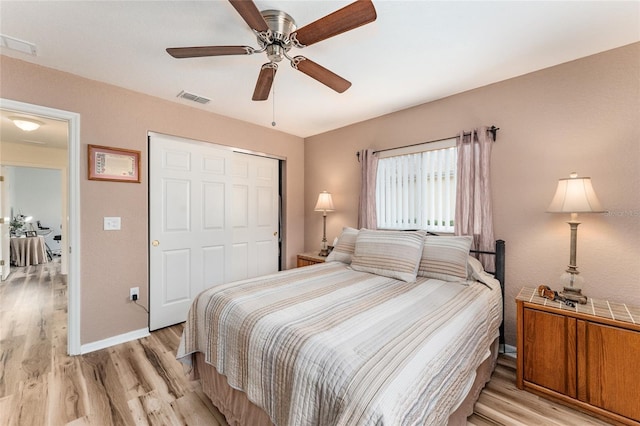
(71, 226)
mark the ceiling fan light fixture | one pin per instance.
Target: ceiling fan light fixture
(26, 124)
(275, 52)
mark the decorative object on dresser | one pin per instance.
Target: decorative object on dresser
(574, 195)
(324, 205)
(306, 259)
(585, 356)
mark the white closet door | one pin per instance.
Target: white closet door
(255, 216)
(197, 211)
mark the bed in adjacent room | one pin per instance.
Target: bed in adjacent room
(396, 328)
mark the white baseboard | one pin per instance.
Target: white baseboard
(115, 340)
(510, 351)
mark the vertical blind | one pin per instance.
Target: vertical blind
(417, 191)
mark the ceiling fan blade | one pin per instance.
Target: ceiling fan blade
(342, 20)
(251, 15)
(196, 52)
(320, 73)
(265, 81)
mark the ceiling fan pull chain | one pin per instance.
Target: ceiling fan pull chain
(273, 111)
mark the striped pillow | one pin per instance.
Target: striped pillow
(394, 254)
(445, 258)
(345, 246)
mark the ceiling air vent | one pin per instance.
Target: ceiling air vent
(194, 98)
(19, 45)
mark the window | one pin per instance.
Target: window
(417, 190)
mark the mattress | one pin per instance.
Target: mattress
(327, 345)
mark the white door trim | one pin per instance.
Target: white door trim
(231, 148)
(73, 283)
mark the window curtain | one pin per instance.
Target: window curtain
(367, 207)
(474, 212)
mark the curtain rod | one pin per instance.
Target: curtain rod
(493, 130)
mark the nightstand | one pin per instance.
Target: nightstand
(311, 258)
(585, 356)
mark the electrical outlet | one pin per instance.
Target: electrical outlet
(134, 291)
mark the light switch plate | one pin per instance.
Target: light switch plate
(111, 223)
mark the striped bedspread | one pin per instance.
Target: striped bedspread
(326, 345)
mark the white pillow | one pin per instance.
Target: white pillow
(445, 257)
(344, 248)
(394, 254)
(477, 273)
(475, 268)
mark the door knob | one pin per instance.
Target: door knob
(155, 243)
(275, 233)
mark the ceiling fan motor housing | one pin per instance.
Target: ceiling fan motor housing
(281, 25)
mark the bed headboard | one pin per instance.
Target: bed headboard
(498, 272)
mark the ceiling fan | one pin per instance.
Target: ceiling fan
(277, 33)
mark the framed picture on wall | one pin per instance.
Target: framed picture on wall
(114, 164)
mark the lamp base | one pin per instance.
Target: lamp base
(324, 252)
(574, 294)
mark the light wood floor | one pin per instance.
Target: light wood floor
(141, 383)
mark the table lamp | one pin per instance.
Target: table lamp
(574, 195)
(324, 205)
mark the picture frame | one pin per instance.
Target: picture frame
(113, 164)
(30, 234)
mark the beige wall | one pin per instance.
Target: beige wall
(112, 262)
(33, 156)
(582, 116)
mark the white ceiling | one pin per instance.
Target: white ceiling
(415, 52)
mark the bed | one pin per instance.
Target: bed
(396, 328)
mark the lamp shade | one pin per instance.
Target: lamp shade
(575, 195)
(325, 203)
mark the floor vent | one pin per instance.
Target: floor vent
(194, 98)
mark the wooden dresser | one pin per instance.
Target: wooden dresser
(587, 356)
(311, 258)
